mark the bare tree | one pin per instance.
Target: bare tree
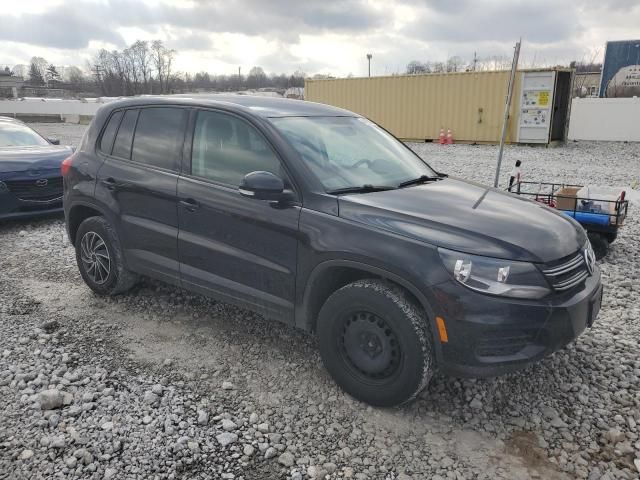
(256, 78)
(21, 70)
(162, 58)
(73, 75)
(142, 57)
(455, 64)
(38, 70)
(415, 67)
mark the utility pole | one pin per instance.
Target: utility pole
(475, 61)
(369, 59)
(239, 79)
(507, 107)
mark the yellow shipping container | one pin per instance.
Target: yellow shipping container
(416, 107)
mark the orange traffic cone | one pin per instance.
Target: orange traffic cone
(449, 137)
(442, 137)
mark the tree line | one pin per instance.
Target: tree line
(145, 68)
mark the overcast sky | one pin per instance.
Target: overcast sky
(316, 36)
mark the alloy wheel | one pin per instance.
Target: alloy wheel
(95, 257)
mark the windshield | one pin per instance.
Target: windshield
(346, 152)
(17, 135)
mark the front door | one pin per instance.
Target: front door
(138, 182)
(238, 249)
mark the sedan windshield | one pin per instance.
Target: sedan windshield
(352, 154)
(17, 135)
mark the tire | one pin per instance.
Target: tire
(599, 244)
(611, 236)
(395, 362)
(97, 244)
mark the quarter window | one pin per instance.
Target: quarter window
(159, 137)
(226, 148)
(109, 133)
(122, 145)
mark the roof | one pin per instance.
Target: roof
(257, 105)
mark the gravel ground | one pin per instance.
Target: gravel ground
(160, 383)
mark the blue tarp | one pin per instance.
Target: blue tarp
(587, 217)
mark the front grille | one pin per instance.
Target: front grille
(30, 190)
(568, 274)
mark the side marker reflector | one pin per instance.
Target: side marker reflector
(442, 330)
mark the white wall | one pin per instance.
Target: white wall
(68, 110)
(615, 119)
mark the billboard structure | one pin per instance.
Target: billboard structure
(621, 69)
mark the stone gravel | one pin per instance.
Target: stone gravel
(161, 383)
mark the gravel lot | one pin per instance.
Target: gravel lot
(160, 383)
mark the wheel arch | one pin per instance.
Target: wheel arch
(78, 213)
(329, 276)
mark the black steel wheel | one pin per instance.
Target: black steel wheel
(369, 346)
(100, 258)
(375, 342)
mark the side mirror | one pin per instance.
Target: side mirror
(262, 186)
(54, 141)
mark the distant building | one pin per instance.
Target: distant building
(295, 92)
(10, 84)
(586, 84)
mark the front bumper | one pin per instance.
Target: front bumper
(12, 207)
(489, 336)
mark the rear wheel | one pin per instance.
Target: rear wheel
(599, 244)
(100, 259)
(611, 236)
(375, 343)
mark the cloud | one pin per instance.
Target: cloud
(63, 28)
(191, 41)
(493, 21)
(323, 35)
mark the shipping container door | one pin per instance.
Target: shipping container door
(536, 106)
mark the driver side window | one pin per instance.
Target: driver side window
(226, 148)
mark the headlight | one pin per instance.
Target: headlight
(495, 276)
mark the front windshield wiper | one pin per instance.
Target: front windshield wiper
(420, 179)
(366, 188)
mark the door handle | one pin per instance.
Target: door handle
(190, 204)
(110, 183)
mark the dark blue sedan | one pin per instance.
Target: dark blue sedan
(30, 177)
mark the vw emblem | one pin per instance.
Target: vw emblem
(590, 259)
(42, 182)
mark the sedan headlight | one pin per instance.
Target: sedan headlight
(495, 276)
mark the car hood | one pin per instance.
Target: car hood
(471, 218)
(32, 160)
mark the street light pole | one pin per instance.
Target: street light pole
(369, 59)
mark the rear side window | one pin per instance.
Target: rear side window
(159, 137)
(124, 137)
(110, 133)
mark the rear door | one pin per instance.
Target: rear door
(138, 182)
(239, 249)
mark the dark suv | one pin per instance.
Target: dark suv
(319, 218)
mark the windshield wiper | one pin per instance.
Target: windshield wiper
(420, 179)
(366, 188)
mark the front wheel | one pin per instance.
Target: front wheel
(100, 258)
(376, 343)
